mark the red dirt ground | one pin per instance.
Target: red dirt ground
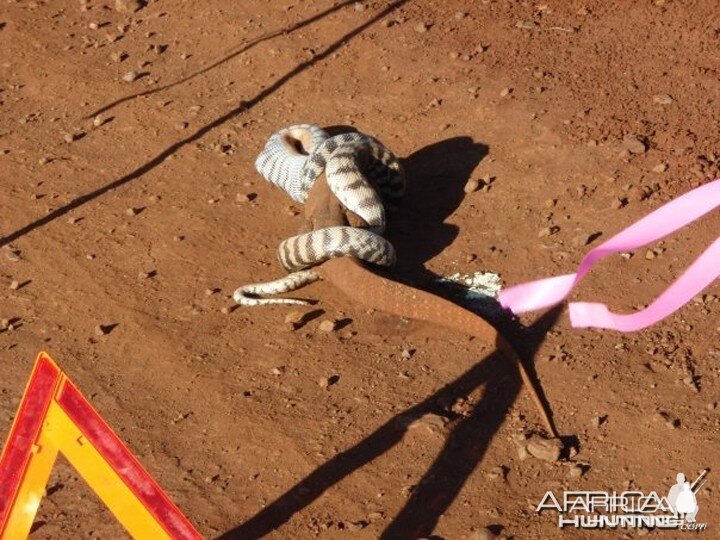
(226, 409)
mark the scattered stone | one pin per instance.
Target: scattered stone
(712, 406)
(132, 211)
(144, 275)
(14, 285)
(522, 451)
(617, 204)
(93, 26)
(130, 76)
(430, 421)
(225, 310)
(98, 120)
(633, 144)
(359, 7)
(583, 239)
(544, 449)
(294, 320)
(660, 168)
(118, 56)
(128, 6)
(495, 473)
(505, 92)
(637, 194)
(482, 534)
(407, 354)
(245, 197)
(73, 136)
(597, 421)
(277, 371)
(472, 185)
(422, 27)
(13, 256)
(650, 254)
(662, 99)
(327, 325)
(101, 330)
(576, 471)
(547, 231)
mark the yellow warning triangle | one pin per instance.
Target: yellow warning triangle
(55, 417)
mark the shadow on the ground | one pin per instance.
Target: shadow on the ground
(242, 107)
(464, 449)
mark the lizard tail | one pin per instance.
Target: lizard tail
(359, 283)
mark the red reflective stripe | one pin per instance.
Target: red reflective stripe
(24, 432)
(124, 463)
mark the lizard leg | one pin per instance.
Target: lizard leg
(250, 295)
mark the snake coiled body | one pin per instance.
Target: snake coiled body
(360, 171)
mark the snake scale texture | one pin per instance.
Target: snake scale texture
(360, 171)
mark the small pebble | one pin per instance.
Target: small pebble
(481, 534)
(128, 6)
(245, 197)
(637, 194)
(14, 285)
(101, 330)
(544, 449)
(505, 92)
(71, 137)
(547, 231)
(327, 325)
(660, 168)
(359, 7)
(422, 27)
(130, 76)
(633, 144)
(4, 324)
(582, 240)
(472, 185)
(662, 99)
(132, 211)
(294, 317)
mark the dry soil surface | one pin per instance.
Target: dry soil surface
(131, 210)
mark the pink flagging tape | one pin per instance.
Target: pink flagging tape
(667, 219)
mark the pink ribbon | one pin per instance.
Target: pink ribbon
(656, 225)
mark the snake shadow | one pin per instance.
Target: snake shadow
(436, 177)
